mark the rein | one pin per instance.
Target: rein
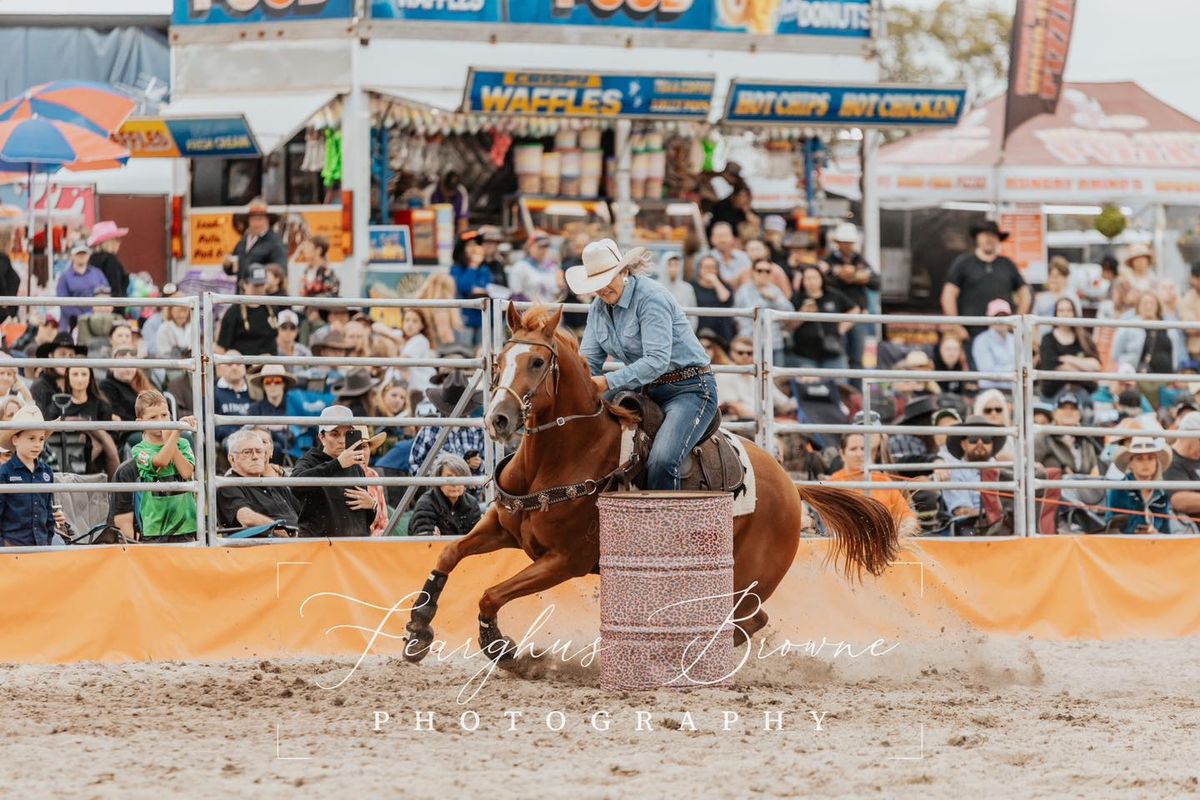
(526, 402)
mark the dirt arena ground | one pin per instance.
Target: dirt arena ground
(1009, 718)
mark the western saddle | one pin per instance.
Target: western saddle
(713, 465)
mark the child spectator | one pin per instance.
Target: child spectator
(93, 329)
(27, 519)
(1147, 510)
(446, 510)
(164, 456)
(174, 336)
(81, 280)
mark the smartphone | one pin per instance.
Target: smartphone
(353, 437)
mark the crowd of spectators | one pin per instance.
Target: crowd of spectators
(746, 263)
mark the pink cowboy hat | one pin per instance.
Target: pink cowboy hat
(104, 231)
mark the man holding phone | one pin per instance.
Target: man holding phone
(341, 451)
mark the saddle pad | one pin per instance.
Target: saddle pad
(744, 503)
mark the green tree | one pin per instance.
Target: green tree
(953, 42)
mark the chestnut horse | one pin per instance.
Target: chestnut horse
(571, 443)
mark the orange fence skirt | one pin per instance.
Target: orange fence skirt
(113, 604)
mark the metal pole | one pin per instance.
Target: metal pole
(489, 451)
(1023, 504)
(868, 453)
(758, 335)
(624, 205)
(766, 357)
(1028, 428)
(210, 409)
(203, 464)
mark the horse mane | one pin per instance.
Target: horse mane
(539, 315)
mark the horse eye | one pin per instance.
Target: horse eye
(538, 363)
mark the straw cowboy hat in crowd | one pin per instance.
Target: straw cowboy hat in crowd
(30, 415)
(602, 261)
(1140, 445)
(105, 231)
(846, 232)
(1139, 251)
(274, 371)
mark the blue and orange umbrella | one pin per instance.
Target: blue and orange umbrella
(95, 106)
(43, 145)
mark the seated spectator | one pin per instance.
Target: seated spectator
(250, 506)
(466, 443)
(995, 349)
(1045, 302)
(166, 457)
(963, 450)
(358, 335)
(1072, 455)
(416, 345)
(11, 384)
(27, 520)
(285, 339)
(249, 329)
(1105, 399)
(81, 279)
(1043, 412)
(276, 281)
(39, 331)
(1156, 351)
(232, 394)
(732, 262)
(275, 382)
(761, 292)
(122, 385)
(944, 418)
(820, 344)
(712, 292)
(446, 510)
(757, 250)
(121, 512)
(736, 391)
(1189, 311)
(917, 361)
(337, 510)
(120, 338)
(391, 400)
(96, 326)
(1067, 349)
(471, 277)
(174, 336)
(319, 279)
(679, 287)
(853, 452)
(1185, 466)
(905, 448)
(53, 380)
(83, 401)
(949, 357)
(993, 406)
(353, 390)
(153, 323)
(1146, 510)
(538, 277)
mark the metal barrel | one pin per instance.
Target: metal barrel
(666, 589)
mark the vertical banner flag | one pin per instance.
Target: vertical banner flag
(1041, 37)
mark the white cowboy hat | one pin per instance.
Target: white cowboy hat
(274, 371)
(1139, 251)
(1140, 445)
(30, 415)
(602, 261)
(846, 232)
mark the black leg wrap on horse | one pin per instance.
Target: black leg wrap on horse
(432, 590)
(495, 644)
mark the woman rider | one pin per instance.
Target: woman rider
(638, 322)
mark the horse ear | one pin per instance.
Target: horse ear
(551, 323)
(514, 318)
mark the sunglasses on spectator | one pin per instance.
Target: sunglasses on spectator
(740, 352)
(273, 381)
(994, 410)
(866, 418)
(978, 439)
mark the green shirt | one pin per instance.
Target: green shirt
(164, 514)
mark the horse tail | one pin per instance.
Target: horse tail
(865, 535)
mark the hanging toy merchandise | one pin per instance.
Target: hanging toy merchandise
(332, 173)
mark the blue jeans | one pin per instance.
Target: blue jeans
(689, 407)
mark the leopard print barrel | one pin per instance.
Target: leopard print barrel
(666, 585)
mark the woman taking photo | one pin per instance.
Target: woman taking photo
(636, 320)
(820, 344)
(1067, 349)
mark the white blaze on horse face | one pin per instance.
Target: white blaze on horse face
(510, 372)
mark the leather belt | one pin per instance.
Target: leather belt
(682, 375)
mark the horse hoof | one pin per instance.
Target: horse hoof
(501, 650)
(416, 644)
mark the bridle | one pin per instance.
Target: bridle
(526, 402)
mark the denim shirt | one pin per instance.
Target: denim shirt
(26, 518)
(646, 331)
(1131, 501)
